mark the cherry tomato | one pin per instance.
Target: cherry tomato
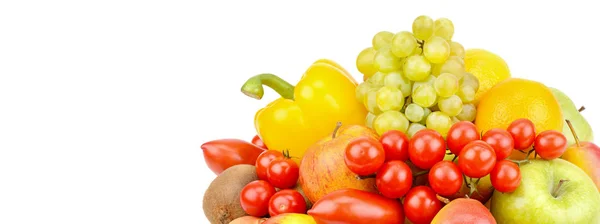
(364, 156)
(283, 173)
(255, 196)
(426, 148)
(349, 205)
(287, 201)
(501, 141)
(550, 144)
(445, 178)
(477, 159)
(395, 144)
(506, 176)
(421, 205)
(258, 142)
(394, 179)
(263, 161)
(460, 134)
(224, 153)
(523, 132)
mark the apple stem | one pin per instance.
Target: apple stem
(337, 127)
(560, 184)
(573, 132)
(442, 199)
(582, 108)
(366, 177)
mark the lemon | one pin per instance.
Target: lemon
(488, 67)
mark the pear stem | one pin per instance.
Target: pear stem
(337, 127)
(573, 132)
(582, 108)
(560, 184)
(442, 199)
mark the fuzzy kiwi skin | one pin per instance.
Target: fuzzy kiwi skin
(221, 202)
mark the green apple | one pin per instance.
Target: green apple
(551, 191)
(572, 113)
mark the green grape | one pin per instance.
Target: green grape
(385, 61)
(426, 112)
(403, 44)
(466, 93)
(365, 60)
(370, 102)
(422, 27)
(468, 113)
(451, 106)
(430, 80)
(440, 122)
(390, 120)
(454, 66)
(361, 90)
(382, 39)
(469, 79)
(436, 50)
(436, 68)
(377, 79)
(446, 85)
(443, 28)
(369, 120)
(414, 112)
(424, 96)
(457, 49)
(389, 98)
(414, 128)
(416, 68)
(397, 80)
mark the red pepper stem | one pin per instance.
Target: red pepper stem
(254, 86)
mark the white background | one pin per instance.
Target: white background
(104, 104)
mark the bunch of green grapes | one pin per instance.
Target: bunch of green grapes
(416, 80)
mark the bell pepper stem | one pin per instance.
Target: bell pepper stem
(254, 86)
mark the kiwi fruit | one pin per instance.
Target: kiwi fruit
(221, 202)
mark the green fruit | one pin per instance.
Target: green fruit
(571, 112)
(542, 198)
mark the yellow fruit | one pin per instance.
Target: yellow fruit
(516, 98)
(488, 67)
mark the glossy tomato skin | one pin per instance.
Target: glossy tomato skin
(258, 142)
(445, 178)
(394, 179)
(263, 161)
(283, 173)
(506, 176)
(477, 159)
(364, 156)
(426, 148)
(523, 132)
(224, 153)
(287, 201)
(501, 141)
(421, 205)
(395, 145)
(460, 134)
(255, 196)
(341, 206)
(550, 144)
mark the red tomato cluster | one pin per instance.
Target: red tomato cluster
(394, 159)
(274, 170)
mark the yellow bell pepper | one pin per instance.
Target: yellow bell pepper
(307, 112)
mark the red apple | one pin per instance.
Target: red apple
(585, 155)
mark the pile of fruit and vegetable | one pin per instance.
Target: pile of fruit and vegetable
(433, 133)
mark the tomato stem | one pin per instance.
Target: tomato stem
(454, 158)
(518, 162)
(582, 108)
(573, 132)
(557, 188)
(421, 173)
(442, 199)
(365, 177)
(337, 127)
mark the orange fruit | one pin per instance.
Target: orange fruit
(516, 98)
